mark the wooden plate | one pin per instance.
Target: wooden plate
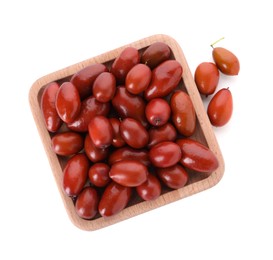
(204, 133)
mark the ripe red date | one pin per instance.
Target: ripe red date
(87, 203)
(197, 156)
(99, 174)
(133, 133)
(183, 113)
(101, 131)
(155, 54)
(48, 107)
(68, 103)
(175, 177)
(165, 78)
(104, 87)
(220, 107)
(158, 112)
(75, 174)
(150, 189)
(138, 79)
(165, 154)
(114, 199)
(94, 153)
(129, 173)
(67, 143)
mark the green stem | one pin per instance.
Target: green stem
(212, 45)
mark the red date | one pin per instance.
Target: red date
(114, 199)
(128, 173)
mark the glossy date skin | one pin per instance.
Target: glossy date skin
(94, 153)
(68, 103)
(158, 112)
(138, 79)
(104, 87)
(220, 108)
(75, 174)
(128, 153)
(175, 177)
(183, 113)
(206, 77)
(155, 54)
(127, 59)
(90, 108)
(226, 61)
(117, 139)
(150, 189)
(84, 78)
(129, 105)
(165, 154)
(114, 199)
(100, 131)
(196, 156)
(87, 203)
(129, 173)
(134, 133)
(157, 135)
(67, 143)
(165, 78)
(48, 107)
(99, 174)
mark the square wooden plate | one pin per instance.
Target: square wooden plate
(204, 133)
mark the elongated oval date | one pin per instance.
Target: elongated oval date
(68, 103)
(101, 131)
(206, 77)
(99, 174)
(117, 139)
(183, 113)
(165, 78)
(127, 59)
(134, 133)
(114, 199)
(150, 189)
(196, 156)
(48, 107)
(67, 143)
(90, 108)
(129, 105)
(160, 134)
(165, 154)
(226, 61)
(83, 80)
(75, 174)
(87, 203)
(129, 173)
(138, 79)
(128, 153)
(94, 153)
(155, 54)
(220, 107)
(104, 87)
(175, 177)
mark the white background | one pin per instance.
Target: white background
(232, 220)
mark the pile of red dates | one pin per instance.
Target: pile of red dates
(125, 130)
